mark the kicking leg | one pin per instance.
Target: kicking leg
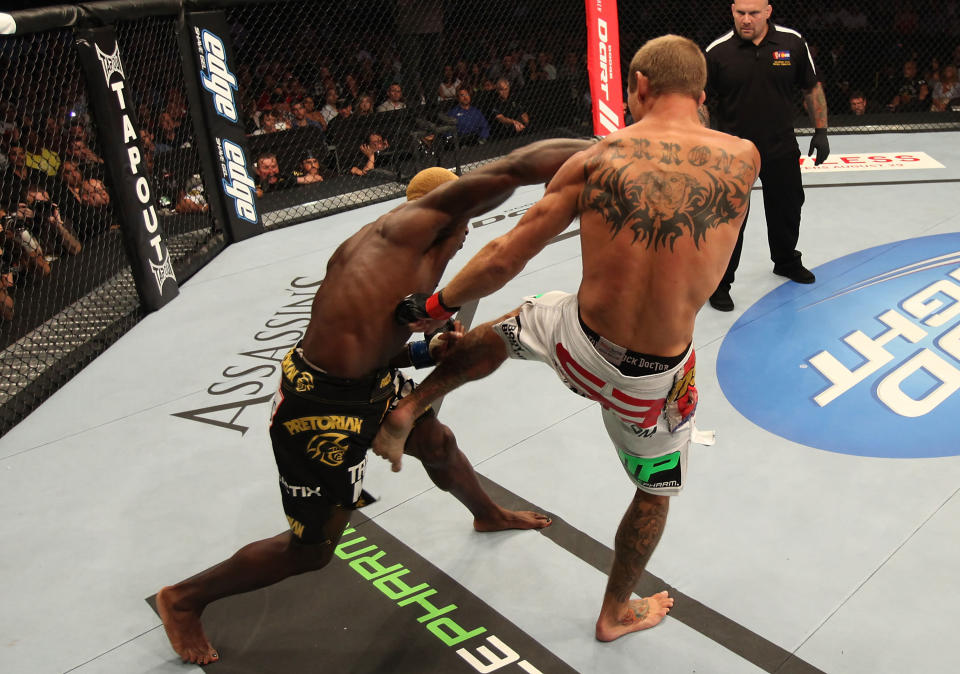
(637, 536)
(435, 445)
(479, 353)
(254, 566)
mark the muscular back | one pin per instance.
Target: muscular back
(661, 207)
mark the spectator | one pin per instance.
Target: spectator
(510, 117)
(80, 211)
(370, 153)
(351, 87)
(39, 156)
(48, 225)
(309, 171)
(912, 93)
(8, 122)
(269, 178)
(858, 104)
(269, 124)
(6, 277)
(299, 119)
(472, 126)
(21, 248)
(545, 61)
(447, 89)
(16, 177)
(364, 106)
(394, 99)
(192, 199)
(310, 106)
(329, 109)
(94, 193)
(509, 70)
(947, 89)
(86, 159)
(170, 135)
(534, 74)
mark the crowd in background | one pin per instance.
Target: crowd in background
(296, 72)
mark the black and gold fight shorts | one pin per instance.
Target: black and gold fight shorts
(321, 427)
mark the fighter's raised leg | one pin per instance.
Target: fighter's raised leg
(478, 354)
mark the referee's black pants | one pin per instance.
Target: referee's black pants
(782, 201)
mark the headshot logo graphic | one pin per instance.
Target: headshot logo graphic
(865, 362)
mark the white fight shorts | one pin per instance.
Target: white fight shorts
(649, 419)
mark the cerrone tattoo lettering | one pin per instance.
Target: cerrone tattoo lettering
(663, 195)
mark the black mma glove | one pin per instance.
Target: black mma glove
(420, 306)
(819, 143)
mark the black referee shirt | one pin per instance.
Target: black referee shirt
(755, 86)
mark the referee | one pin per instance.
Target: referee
(753, 75)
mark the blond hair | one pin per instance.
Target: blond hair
(673, 65)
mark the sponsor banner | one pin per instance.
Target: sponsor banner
(212, 64)
(865, 363)
(373, 580)
(112, 106)
(871, 161)
(603, 62)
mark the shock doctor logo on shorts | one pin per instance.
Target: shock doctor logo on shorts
(864, 363)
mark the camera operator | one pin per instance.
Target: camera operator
(48, 224)
(22, 251)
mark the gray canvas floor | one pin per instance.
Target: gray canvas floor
(825, 536)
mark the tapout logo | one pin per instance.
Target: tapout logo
(115, 80)
(866, 362)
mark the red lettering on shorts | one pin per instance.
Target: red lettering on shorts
(639, 411)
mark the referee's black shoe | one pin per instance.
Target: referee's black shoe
(721, 300)
(795, 272)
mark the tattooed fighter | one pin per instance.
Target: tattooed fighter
(660, 204)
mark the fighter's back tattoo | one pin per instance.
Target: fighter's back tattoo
(661, 205)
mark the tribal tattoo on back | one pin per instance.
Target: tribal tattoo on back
(661, 205)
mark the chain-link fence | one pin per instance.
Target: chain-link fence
(168, 142)
(65, 294)
(345, 111)
(884, 66)
(341, 104)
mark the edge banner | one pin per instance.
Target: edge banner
(117, 130)
(212, 89)
(603, 63)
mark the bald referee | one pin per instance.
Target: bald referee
(341, 379)
(753, 75)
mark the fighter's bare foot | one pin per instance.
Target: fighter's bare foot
(511, 519)
(393, 434)
(185, 631)
(639, 614)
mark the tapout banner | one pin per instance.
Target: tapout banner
(603, 62)
(112, 106)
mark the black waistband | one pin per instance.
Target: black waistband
(306, 380)
(629, 363)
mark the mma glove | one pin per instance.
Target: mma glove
(819, 143)
(420, 306)
(424, 353)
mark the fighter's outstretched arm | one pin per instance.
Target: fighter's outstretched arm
(482, 189)
(504, 257)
